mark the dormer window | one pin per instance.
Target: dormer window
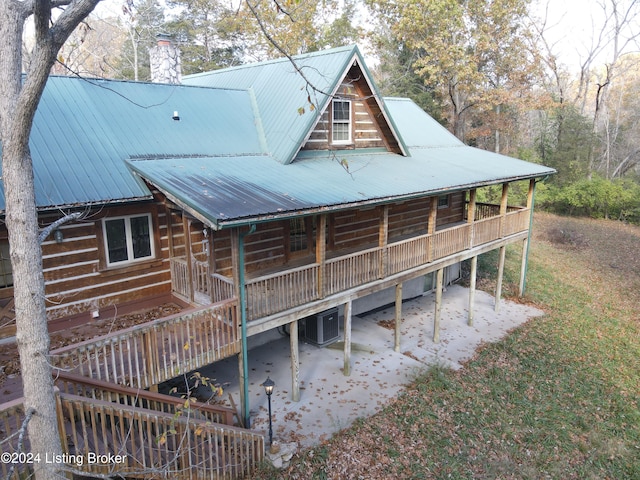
(341, 122)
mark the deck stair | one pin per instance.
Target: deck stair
(142, 434)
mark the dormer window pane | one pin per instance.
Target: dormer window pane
(341, 122)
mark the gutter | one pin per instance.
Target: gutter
(243, 325)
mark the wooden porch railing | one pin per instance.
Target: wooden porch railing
(281, 291)
(12, 414)
(110, 392)
(277, 292)
(152, 444)
(154, 352)
(148, 443)
(349, 271)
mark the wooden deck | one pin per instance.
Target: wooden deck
(172, 440)
(283, 290)
(151, 353)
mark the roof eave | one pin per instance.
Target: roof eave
(245, 221)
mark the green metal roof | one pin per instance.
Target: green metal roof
(225, 193)
(234, 155)
(85, 129)
(281, 92)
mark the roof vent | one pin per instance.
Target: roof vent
(175, 116)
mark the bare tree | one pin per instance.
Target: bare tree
(19, 97)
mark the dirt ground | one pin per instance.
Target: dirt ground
(10, 383)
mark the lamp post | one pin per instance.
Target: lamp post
(268, 388)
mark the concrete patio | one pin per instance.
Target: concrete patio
(331, 401)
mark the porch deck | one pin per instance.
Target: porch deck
(275, 292)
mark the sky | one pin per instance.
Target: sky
(573, 24)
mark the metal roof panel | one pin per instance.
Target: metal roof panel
(85, 129)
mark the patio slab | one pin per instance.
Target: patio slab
(331, 401)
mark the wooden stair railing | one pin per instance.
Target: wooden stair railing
(141, 443)
(111, 392)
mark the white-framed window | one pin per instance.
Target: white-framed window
(128, 239)
(341, 122)
(443, 201)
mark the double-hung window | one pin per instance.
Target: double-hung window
(341, 122)
(128, 239)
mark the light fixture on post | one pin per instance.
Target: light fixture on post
(58, 236)
(268, 388)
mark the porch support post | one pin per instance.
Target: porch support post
(503, 208)
(347, 339)
(433, 213)
(321, 252)
(438, 311)
(186, 227)
(383, 238)
(472, 288)
(431, 225)
(396, 346)
(500, 275)
(237, 259)
(471, 215)
(525, 246)
(295, 361)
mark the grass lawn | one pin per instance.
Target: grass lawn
(557, 398)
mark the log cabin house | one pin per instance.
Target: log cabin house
(257, 198)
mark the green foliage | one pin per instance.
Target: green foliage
(395, 75)
(142, 21)
(566, 143)
(596, 197)
(207, 35)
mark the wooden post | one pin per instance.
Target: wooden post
(235, 269)
(186, 227)
(433, 214)
(431, 225)
(396, 346)
(500, 274)
(169, 216)
(211, 263)
(472, 288)
(295, 361)
(525, 244)
(321, 252)
(438, 311)
(503, 208)
(523, 266)
(383, 238)
(347, 339)
(471, 214)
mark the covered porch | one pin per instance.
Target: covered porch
(271, 292)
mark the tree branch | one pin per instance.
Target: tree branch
(21, 433)
(67, 218)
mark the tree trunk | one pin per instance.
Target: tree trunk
(19, 98)
(32, 336)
